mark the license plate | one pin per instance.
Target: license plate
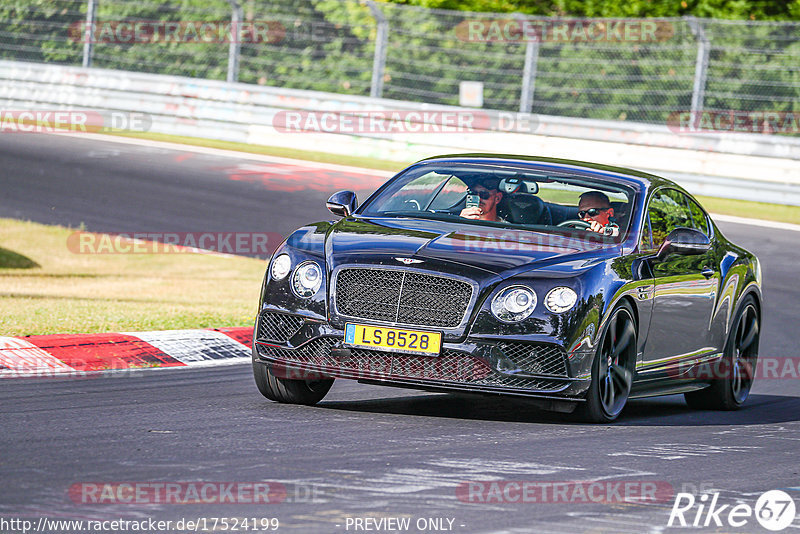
(392, 339)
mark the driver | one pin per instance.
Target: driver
(594, 207)
(490, 197)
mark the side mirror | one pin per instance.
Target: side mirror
(343, 203)
(684, 241)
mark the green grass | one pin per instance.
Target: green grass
(12, 260)
(752, 210)
(47, 289)
(740, 208)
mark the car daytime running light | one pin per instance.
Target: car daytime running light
(560, 299)
(281, 267)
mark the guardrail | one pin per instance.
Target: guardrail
(746, 166)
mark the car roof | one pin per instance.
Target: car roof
(594, 170)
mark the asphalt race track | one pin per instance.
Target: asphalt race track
(365, 452)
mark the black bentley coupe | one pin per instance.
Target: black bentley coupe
(489, 274)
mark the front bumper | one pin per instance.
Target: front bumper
(297, 347)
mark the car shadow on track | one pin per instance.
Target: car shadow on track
(663, 411)
(759, 409)
(451, 406)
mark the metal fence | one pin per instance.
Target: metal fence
(626, 69)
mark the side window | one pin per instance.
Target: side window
(667, 211)
(698, 217)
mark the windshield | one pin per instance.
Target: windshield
(506, 197)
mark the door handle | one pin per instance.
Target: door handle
(708, 272)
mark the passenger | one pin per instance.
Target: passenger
(490, 197)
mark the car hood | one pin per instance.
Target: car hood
(492, 249)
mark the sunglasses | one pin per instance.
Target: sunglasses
(591, 212)
(484, 194)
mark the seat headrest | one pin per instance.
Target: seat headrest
(521, 208)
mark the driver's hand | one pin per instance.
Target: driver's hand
(596, 227)
(472, 213)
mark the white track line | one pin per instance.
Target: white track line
(756, 222)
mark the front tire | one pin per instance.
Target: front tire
(287, 390)
(731, 387)
(612, 369)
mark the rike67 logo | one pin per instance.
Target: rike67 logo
(774, 510)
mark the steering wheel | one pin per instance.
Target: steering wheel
(412, 201)
(575, 223)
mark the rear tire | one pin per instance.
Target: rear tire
(740, 357)
(612, 369)
(287, 390)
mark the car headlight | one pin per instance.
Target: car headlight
(560, 299)
(307, 279)
(281, 267)
(513, 304)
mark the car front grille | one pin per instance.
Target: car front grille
(278, 327)
(537, 358)
(405, 297)
(451, 365)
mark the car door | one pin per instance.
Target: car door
(685, 287)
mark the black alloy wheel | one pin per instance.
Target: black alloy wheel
(732, 377)
(612, 369)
